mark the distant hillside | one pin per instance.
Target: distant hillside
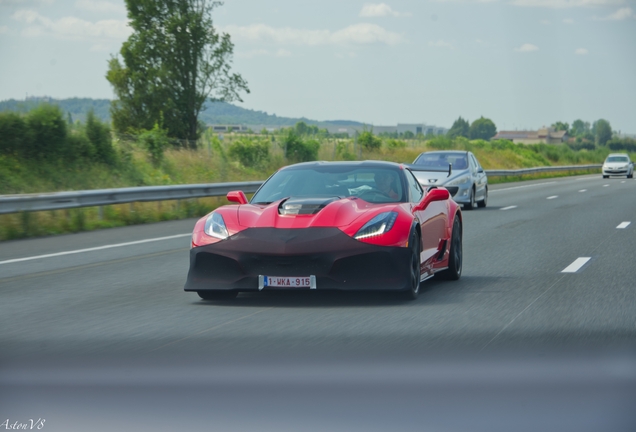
(214, 112)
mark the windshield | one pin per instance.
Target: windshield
(617, 159)
(440, 160)
(373, 184)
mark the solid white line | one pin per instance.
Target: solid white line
(576, 265)
(520, 187)
(94, 248)
(508, 208)
(583, 190)
(623, 225)
(552, 197)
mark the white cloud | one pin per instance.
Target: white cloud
(71, 27)
(568, 21)
(580, 51)
(562, 4)
(442, 44)
(527, 48)
(371, 10)
(621, 14)
(354, 34)
(100, 6)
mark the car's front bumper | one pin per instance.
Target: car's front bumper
(337, 261)
(616, 172)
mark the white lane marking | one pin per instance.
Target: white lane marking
(605, 185)
(508, 208)
(576, 265)
(583, 190)
(520, 187)
(623, 181)
(623, 225)
(552, 197)
(94, 248)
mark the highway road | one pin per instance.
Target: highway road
(539, 333)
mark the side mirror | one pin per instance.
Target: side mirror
(237, 197)
(480, 170)
(437, 194)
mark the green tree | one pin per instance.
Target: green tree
(460, 127)
(602, 131)
(250, 153)
(298, 150)
(173, 62)
(560, 126)
(579, 128)
(482, 128)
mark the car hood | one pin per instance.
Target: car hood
(611, 165)
(307, 212)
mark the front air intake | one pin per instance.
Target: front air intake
(304, 206)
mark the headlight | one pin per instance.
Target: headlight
(459, 181)
(380, 224)
(215, 226)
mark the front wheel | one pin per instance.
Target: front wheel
(454, 270)
(483, 202)
(471, 204)
(414, 268)
(217, 295)
(605, 176)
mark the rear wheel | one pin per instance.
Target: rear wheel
(483, 202)
(217, 295)
(454, 270)
(631, 175)
(414, 268)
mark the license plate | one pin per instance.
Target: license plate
(287, 282)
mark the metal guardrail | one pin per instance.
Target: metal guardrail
(101, 197)
(537, 170)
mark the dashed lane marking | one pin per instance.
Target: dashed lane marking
(509, 208)
(552, 197)
(583, 190)
(15, 260)
(623, 225)
(576, 265)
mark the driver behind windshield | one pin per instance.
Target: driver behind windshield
(384, 183)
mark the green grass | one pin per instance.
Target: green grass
(211, 164)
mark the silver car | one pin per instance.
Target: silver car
(457, 171)
(618, 164)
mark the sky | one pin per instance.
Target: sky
(522, 63)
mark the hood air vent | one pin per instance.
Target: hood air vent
(304, 206)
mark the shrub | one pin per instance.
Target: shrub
(297, 150)
(99, 136)
(48, 128)
(14, 135)
(250, 153)
(368, 141)
(395, 144)
(155, 141)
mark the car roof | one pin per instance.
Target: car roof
(352, 164)
(446, 151)
(617, 154)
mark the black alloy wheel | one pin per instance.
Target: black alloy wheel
(455, 260)
(483, 202)
(414, 268)
(471, 205)
(217, 295)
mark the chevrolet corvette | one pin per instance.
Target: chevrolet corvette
(328, 226)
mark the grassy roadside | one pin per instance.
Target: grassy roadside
(211, 163)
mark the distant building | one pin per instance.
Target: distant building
(544, 135)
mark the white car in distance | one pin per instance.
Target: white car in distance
(618, 164)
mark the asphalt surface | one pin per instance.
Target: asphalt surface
(99, 336)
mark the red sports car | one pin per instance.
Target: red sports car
(328, 226)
